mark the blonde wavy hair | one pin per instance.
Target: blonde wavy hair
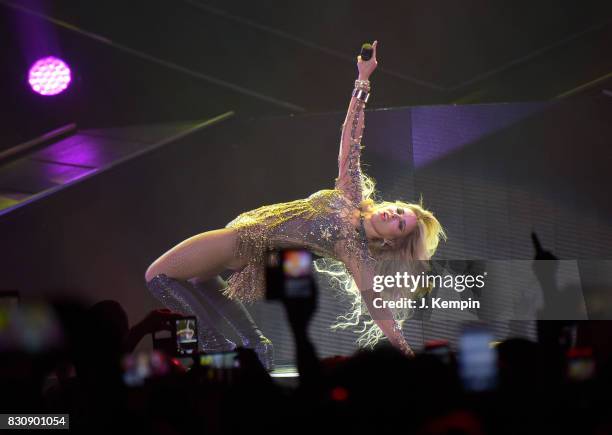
(405, 255)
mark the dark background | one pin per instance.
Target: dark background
(492, 173)
(202, 58)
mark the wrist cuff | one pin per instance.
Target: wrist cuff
(362, 95)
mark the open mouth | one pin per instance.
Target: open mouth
(385, 216)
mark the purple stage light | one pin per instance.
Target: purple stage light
(49, 76)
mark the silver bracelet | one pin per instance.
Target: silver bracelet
(361, 94)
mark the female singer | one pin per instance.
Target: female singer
(343, 224)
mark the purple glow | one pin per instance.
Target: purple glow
(49, 76)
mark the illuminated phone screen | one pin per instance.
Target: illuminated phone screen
(297, 264)
(477, 360)
(186, 336)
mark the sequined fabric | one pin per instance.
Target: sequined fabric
(320, 223)
(316, 223)
(180, 297)
(350, 182)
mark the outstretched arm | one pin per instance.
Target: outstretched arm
(382, 316)
(362, 269)
(349, 169)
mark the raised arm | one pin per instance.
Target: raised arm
(349, 168)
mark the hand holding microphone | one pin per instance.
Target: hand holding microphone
(366, 61)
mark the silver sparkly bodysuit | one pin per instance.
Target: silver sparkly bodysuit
(317, 223)
(320, 223)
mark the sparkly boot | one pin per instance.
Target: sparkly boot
(234, 312)
(178, 295)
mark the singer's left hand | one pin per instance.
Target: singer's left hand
(367, 67)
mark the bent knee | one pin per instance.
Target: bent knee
(151, 272)
(158, 268)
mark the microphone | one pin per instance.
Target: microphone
(366, 51)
